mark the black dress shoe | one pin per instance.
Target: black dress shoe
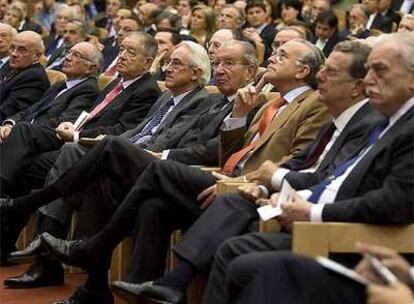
(69, 252)
(148, 293)
(34, 248)
(39, 274)
(85, 296)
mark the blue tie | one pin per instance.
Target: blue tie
(155, 121)
(318, 190)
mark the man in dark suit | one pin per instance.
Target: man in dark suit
(22, 79)
(107, 22)
(256, 16)
(357, 19)
(375, 19)
(326, 32)
(373, 186)
(170, 189)
(281, 277)
(233, 214)
(26, 24)
(65, 100)
(123, 104)
(7, 33)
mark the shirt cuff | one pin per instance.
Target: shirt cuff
(316, 213)
(9, 122)
(232, 123)
(278, 177)
(264, 191)
(75, 137)
(164, 154)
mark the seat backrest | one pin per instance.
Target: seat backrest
(55, 76)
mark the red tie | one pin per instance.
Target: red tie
(108, 99)
(264, 122)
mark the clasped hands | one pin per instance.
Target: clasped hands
(65, 131)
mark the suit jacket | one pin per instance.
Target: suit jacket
(380, 188)
(51, 43)
(110, 51)
(127, 110)
(356, 131)
(330, 44)
(58, 54)
(382, 23)
(66, 107)
(268, 35)
(288, 133)
(29, 25)
(396, 6)
(347, 33)
(178, 122)
(20, 89)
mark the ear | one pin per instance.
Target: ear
(359, 88)
(148, 62)
(251, 71)
(196, 74)
(302, 72)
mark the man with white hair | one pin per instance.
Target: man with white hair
(407, 24)
(23, 79)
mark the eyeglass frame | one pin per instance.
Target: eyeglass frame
(77, 55)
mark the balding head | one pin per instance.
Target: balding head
(7, 32)
(217, 40)
(286, 34)
(25, 49)
(83, 60)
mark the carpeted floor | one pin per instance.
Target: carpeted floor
(38, 295)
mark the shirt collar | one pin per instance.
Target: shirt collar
(178, 98)
(71, 83)
(292, 94)
(342, 120)
(260, 28)
(127, 83)
(401, 111)
(4, 59)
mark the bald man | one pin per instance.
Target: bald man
(22, 79)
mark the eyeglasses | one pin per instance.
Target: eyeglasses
(175, 64)
(226, 64)
(214, 44)
(129, 52)
(20, 50)
(76, 55)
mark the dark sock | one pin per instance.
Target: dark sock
(30, 203)
(180, 278)
(97, 280)
(47, 224)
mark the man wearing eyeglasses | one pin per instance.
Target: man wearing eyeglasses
(74, 32)
(23, 80)
(65, 100)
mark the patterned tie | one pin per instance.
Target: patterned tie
(264, 122)
(108, 99)
(318, 190)
(155, 121)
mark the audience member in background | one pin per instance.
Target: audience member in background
(147, 12)
(65, 100)
(107, 22)
(46, 16)
(75, 31)
(357, 19)
(290, 11)
(202, 24)
(385, 8)
(7, 33)
(230, 18)
(183, 8)
(166, 42)
(14, 16)
(23, 79)
(218, 6)
(318, 6)
(403, 6)
(257, 28)
(326, 32)
(376, 20)
(167, 20)
(55, 38)
(4, 5)
(26, 24)
(406, 24)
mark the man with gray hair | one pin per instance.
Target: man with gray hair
(7, 33)
(407, 24)
(23, 79)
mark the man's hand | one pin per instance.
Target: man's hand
(65, 131)
(156, 64)
(250, 192)
(264, 174)
(394, 294)
(297, 209)
(252, 34)
(156, 154)
(245, 101)
(4, 132)
(389, 258)
(207, 196)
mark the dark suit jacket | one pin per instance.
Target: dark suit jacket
(127, 110)
(177, 123)
(29, 25)
(382, 23)
(51, 43)
(20, 89)
(396, 5)
(268, 35)
(110, 51)
(347, 33)
(380, 189)
(356, 131)
(330, 44)
(66, 107)
(58, 54)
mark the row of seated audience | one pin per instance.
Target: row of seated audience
(338, 130)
